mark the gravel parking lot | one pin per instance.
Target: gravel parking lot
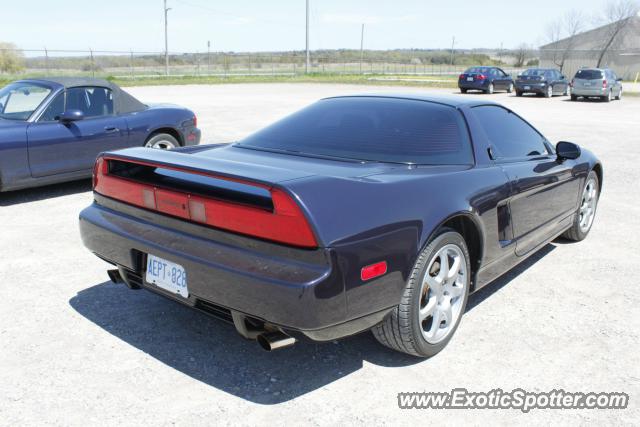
(76, 349)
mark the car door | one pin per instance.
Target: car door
(544, 191)
(58, 148)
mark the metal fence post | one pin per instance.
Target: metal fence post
(93, 64)
(46, 62)
(131, 63)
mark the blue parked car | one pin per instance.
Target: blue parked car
(485, 79)
(52, 130)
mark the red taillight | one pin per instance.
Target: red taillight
(286, 223)
(374, 270)
(195, 121)
(604, 84)
(461, 76)
(481, 77)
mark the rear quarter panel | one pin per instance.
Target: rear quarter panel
(143, 123)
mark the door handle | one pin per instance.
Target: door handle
(111, 129)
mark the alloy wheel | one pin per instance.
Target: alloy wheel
(588, 205)
(442, 294)
(162, 144)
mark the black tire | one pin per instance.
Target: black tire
(510, 88)
(401, 329)
(549, 92)
(463, 90)
(518, 93)
(608, 97)
(576, 233)
(491, 89)
(162, 139)
(574, 97)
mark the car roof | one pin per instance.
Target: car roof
(450, 100)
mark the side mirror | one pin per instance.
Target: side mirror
(618, 80)
(567, 150)
(519, 76)
(563, 77)
(71, 116)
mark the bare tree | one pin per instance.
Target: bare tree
(616, 17)
(522, 53)
(561, 35)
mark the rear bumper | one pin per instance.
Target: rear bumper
(474, 85)
(298, 290)
(531, 87)
(191, 136)
(590, 91)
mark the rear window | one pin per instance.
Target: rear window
(589, 74)
(371, 129)
(535, 72)
(478, 70)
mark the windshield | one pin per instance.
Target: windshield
(19, 100)
(371, 129)
(589, 74)
(534, 72)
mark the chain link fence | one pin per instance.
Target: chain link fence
(17, 63)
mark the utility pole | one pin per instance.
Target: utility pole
(166, 40)
(453, 43)
(208, 57)
(361, 47)
(306, 67)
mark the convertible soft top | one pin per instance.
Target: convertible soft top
(123, 101)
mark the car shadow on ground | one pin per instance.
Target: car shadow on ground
(43, 193)
(211, 351)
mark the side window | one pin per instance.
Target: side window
(92, 101)
(53, 111)
(502, 73)
(510, 136)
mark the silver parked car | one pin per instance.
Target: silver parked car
(596, 83)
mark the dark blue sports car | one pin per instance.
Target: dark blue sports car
(355, 213)
(52, 130)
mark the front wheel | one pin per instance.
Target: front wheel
(162, 141)
(491, 89)
(518, 93)
(574, 97)
(549, 92)
(586, 211)
(619, 96)
(434, 299)
(510, 88)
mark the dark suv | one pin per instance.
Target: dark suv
(486, 79)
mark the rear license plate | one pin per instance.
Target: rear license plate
(469, 79)
(527, 88)
(586, 84)
(167, 275)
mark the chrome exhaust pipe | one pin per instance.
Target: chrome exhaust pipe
(114, 276)
(274, 340)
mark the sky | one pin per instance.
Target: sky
(275, 25)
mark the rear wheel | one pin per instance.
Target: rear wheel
(518, 93)
(574, 97)
(434, 299)
(619, 96)
(608, 97)
(162, 141)
(586, 211)
(463, 90)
